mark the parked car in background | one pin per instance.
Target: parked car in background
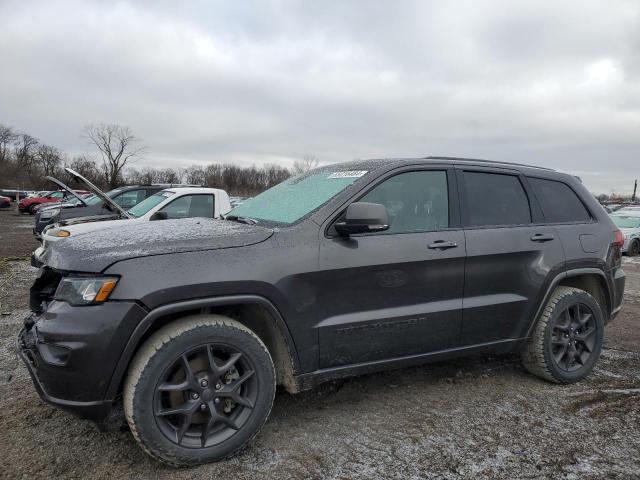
(235, 201)
(344, 270)
(5, 202)
(125, 197)
(29, 204)
(628, 210)
(12, 194)
(69, 202)
(629, 225)
(41, 193)
(171, 203)
(612, 207)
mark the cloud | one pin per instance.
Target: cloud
(549, 83)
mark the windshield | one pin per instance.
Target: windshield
(94, 199)
(148, 203)
(626, 222)
(296, 197)
(77, 201)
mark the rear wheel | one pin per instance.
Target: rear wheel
(567, 338)
(634, 248)
(198, 390)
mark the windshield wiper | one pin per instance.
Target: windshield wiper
(236, 218)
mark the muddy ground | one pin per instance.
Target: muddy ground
(481, 417)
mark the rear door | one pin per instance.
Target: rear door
(510, 253)
(395, 293)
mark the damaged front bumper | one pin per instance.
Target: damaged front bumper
(71, 353)
(26, 346)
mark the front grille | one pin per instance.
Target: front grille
(43, 289)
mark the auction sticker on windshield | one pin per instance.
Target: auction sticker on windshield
(348, 174)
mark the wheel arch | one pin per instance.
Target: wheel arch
(256, 312)
(591, 280)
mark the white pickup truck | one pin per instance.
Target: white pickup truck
(170, 203)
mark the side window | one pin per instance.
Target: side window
(130, 198)
(191, 206)
(559, 202)
(56, 195)
(495, 199)
(415, 201)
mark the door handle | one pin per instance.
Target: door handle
(542, 237)
(442, 245)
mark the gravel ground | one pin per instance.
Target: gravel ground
(480, 417)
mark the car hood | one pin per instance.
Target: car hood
(99, 193)
(64, 187)
(95, 251)
(89, 219)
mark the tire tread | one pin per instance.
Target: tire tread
(155, 342)
(533, 356)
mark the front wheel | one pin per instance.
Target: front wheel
(634, 248)
(198, 390)
(567, 338)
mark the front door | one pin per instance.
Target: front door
(399, 292)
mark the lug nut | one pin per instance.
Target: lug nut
(195, 396)
(218, 386)
(203, 383)
(217, 400)
(203, 407)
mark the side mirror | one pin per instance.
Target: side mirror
(363, 217)
(159, 216)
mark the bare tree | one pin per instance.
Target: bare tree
(25, 145)
(117, 145)
(194, 175)
(308, 162)
(7, 138)
(48, 159)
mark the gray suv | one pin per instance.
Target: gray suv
(344, 270)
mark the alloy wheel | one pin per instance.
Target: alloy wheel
(573, 337)
(205, 396)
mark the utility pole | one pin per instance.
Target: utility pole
(635, 189)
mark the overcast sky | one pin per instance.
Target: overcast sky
(548, 83)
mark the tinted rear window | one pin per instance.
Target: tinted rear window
(559, 202)
(495, 199)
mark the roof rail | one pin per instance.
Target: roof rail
(482, 160)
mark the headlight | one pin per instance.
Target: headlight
(48, 214)
(85, 290)
(57, 232)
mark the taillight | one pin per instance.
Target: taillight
(619, 241)
(616, 249)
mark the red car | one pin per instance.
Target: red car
(5, 202)
(29, 204)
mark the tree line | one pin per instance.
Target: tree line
(25, 161)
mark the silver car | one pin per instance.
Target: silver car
(629, 224)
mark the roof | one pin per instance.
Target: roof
(375, 163)
(188, 190)
(158, 185)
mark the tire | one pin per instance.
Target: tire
(553, 334)
(634, 248)
(152, 392)
(32, 209)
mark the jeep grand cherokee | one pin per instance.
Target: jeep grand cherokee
(343, 270)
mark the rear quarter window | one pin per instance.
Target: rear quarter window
(560, 204)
